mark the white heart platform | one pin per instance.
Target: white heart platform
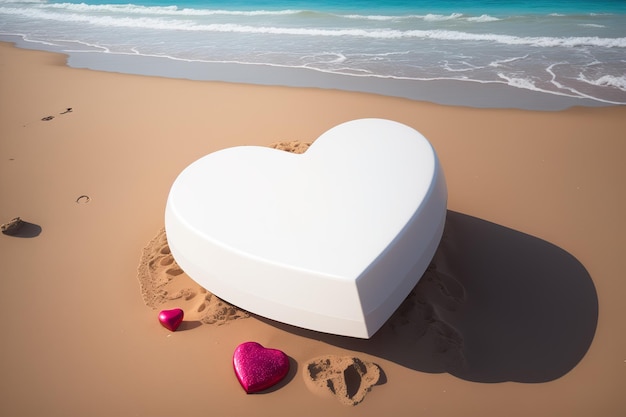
(331, 240)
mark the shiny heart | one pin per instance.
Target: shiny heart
(171, 319)
(331, 240)
(258, 368)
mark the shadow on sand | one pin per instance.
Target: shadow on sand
(496, 305)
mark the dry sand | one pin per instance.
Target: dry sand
(521, 312)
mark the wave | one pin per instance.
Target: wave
(130, 8)
(23, 1)
(175, 10)
(439, 18)
(163, 10)
(499, 62)
(541, 41)
(124, 10)
(483, 18)
(524, 83)
(430, 17)
(134, 9)
(187, 25)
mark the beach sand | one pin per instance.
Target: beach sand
(521, 312)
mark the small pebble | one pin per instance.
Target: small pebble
(12, 227)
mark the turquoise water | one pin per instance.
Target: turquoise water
(398, 6)
(560, 48)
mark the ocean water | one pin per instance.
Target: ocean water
(565, 48)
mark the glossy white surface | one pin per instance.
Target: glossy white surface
(331, 240)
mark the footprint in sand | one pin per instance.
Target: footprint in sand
(164, 285)
(437, 290)
(48, 118)
(83, 199)
(346, 378)
(441, 289)
(421, 318)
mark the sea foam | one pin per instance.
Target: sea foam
(558, 51)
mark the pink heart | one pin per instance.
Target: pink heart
(171, 319)
(258, 368)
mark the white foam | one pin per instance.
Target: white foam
(430, 17)
(439, 17)
(467, 67)
(574, 92)
(525, 83)
(326, 58)
(160, 10)
(367, 47)
(22, 1)
(606, 81)
(374, 17)
(498, 62)
(157, 19)
(544, 41)
(483, 19)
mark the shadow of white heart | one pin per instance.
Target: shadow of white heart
(330, 240)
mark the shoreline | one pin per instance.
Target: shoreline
(445, 92)
(520, 316)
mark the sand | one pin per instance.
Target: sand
(521, 312)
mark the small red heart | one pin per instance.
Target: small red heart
(258, 368)
(171, 319)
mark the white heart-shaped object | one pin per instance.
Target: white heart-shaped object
(331, 240)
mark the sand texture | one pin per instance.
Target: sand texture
(164, 285)
(520, 312)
